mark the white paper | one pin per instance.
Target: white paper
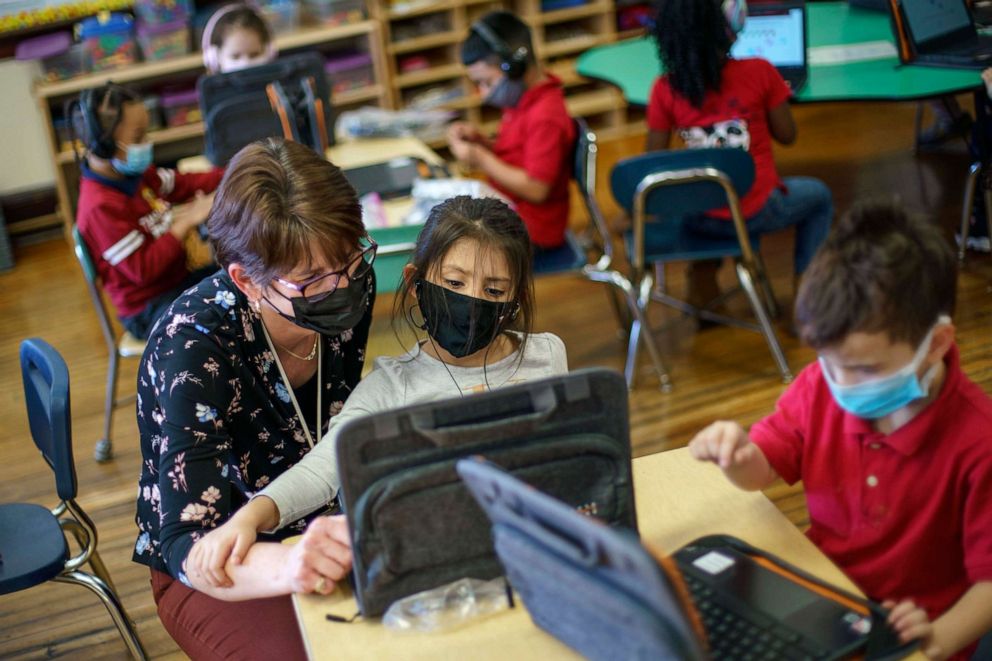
(713, 562)
(863, 52)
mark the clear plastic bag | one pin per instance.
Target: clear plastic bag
(372, 122)
(449, 606)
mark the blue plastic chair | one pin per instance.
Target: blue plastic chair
(125, 346)
(661, 191)
(33, 545)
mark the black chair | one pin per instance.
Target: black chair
(667, 188)
(33, 545)
(125, 346)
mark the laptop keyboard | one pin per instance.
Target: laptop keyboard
(736, 635)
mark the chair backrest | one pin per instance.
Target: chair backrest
(676, 183)
(46, 392)
(679, 166)
(85, 259)
(584, 172)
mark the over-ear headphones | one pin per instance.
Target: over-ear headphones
(211, 53)
(513, 63)
(99, 141)
(735, 11)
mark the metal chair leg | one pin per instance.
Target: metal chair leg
(640, 331)
(766, 286)
(974, 172)
(104, 450)
(114, 607)
(747, 282)
(620, 311)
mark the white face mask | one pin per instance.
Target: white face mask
(229, 65)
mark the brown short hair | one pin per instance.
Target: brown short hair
(881, 269)
(278, 206)
(492, 224)
(244, 18)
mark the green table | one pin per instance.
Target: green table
(633, 65)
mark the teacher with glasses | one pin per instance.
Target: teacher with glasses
(238, 381)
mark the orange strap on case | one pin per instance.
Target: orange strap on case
(280, 111)
(902, 39)
(674, 575)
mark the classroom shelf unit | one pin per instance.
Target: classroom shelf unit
(415, 54)
(187, 139)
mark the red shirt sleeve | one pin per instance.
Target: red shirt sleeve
(977, 533)
(660, 106)
(781, 435)
(777, 92)
(116, 237)
(546, 149)
(177, 188)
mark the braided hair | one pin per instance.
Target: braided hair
(693, 41)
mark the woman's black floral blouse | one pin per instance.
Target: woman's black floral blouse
(215, 418)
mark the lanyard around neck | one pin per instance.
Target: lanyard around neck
(289, 388)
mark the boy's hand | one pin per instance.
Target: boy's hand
(724, 443)
(191, 214)
(321, 558)
(229, 542)
(911, 622)
(463, 132)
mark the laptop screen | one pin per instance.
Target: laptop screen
(931, 19)
(775, 35)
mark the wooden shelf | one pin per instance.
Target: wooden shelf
(565, 70)
(356, 95)
(419, 9)
(424, 76)
(631, 34)
(307, 36)
(425, 42)
(570, 13)
(572, 45)
(591, 103)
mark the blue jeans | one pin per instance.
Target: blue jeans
(806, 205)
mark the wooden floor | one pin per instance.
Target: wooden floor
(719, 373)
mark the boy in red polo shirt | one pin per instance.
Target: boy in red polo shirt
(892, 441)
(529, 159)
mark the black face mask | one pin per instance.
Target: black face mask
(461, 324)
(339, 312)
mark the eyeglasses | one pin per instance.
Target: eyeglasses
(321, 286)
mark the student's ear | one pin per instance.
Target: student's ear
(409, 272)
(244, 283)
(943, 338)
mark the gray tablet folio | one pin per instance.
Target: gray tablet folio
(413, 523)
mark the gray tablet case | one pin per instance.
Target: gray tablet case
(414, 525)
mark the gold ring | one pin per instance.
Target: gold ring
(321, 584)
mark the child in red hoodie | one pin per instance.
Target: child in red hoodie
(125, 212)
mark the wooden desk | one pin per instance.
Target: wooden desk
(395, 241)
(678, 500)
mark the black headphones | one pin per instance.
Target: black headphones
(100, 142)
(513, 63)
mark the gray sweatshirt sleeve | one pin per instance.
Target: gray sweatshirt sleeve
(312, 482)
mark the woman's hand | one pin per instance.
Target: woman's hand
(321, 558)
(911, 622)
(210, 555)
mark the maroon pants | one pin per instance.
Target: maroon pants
(208, 628)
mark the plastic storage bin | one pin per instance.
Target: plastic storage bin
(156, 12)
(281, 16)
(335, 12)
(163, 41)
(348, 71)
(109, 41)
(60, 58)
(180, 107)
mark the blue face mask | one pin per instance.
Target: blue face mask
(139, 157)
(883, 396)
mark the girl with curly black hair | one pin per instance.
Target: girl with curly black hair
(710, 99)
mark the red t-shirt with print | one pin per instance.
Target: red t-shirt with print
(734, 116)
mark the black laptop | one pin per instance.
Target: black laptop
(776, 31)
(944, 33)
